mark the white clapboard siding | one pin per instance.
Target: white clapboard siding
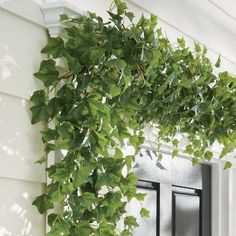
(23, 34)
(20, 45)
(17, 215)
(20, 144)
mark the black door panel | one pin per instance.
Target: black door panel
(178, 197)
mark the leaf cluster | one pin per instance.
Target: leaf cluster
(117, 79)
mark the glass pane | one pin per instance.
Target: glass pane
(187, 210)
(147, 226)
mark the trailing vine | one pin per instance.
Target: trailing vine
(116, 80)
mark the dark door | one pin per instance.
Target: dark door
(186, 212)
(178, 197)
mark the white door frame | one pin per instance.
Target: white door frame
(223, 191)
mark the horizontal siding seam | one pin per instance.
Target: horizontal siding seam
(23, 179)
(14, 96)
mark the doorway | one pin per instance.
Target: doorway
(178, 197)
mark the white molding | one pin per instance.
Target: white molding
(216, 199)
(52, 12)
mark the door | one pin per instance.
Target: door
(178, 197)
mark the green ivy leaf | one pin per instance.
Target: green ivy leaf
(128, 161)
(218, 62)
(48, 73)
(114, 90)
(186, 82)
(96, 55)
(163, 87)
(175, 153)
(54, 106)
(106, 229)
(175, 142)
(130, 15)
(43, 203)
(82, 174)
(131, 221)
(52, 219)
(126, 232)
(144, 212)
(66, 130)
(55, 47)
(208, 155)
(60, 227)
(154, 62)
(181, 42)
(195, 161)
(59, 173)
(38, 97)
(228, 165)
(49, 134)
(197, 47)
(64, 17)
(106, 179)
(140, 196)
(87, 199)
(121, 6)
(39, 113)
(73, 63)
(84, 228)
(57, 197)
(118, 153)
(41, 160)
(49, 147)
(118, 63)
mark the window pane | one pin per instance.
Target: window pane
(147, 226)
(187, 210)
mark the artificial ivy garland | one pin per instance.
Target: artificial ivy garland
(117, 79)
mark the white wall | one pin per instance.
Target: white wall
(22, 36)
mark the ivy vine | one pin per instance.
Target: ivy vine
(115, 80)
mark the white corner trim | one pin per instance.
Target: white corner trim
(53, 10)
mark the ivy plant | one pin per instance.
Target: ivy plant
(119, 76)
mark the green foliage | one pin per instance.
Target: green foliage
(117, 80)
(48, 73)
(144, 212)
(228, 165)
